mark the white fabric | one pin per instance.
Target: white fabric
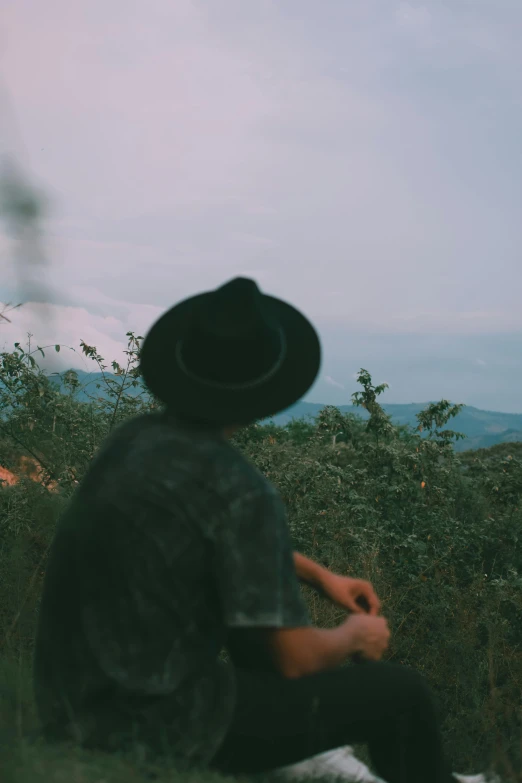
(341, 765)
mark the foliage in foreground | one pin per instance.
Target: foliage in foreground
(436, 533)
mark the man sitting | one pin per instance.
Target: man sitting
(174, 545)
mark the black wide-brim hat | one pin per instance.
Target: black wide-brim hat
(230, 356)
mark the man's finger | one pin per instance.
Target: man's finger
(371, 597)
(375, 603)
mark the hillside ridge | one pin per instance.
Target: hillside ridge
(482, 428)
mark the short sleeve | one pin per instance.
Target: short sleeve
(256, 578)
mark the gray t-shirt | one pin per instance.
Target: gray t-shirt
(172, 538)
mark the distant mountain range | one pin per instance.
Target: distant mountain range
(482, 428)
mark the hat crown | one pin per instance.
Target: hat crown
(235, 311)
(232, 337)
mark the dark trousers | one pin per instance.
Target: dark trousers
(385, 706)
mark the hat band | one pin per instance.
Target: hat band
(234, 386)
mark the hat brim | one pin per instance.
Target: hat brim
(170, 384)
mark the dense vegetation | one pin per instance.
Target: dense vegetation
(435, 531)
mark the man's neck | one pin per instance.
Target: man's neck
(197, 426)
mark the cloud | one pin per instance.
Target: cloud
(362, 164)
(415, 19)
(331, 382)
(480, 362)
(69, 326)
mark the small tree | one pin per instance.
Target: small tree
(379, 423)
(436, 415)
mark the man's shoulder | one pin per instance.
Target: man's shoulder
(240, 476)
(163, 453)
(164, 449)
(132, 428)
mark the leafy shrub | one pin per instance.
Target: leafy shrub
(436, 533)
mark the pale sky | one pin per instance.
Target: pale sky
(360, 158)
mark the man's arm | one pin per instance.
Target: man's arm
(310, 573)
(355, 595)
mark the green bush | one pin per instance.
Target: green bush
(436, 533)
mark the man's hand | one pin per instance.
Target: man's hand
(345, 591)
(370, 637)
(341, 590)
